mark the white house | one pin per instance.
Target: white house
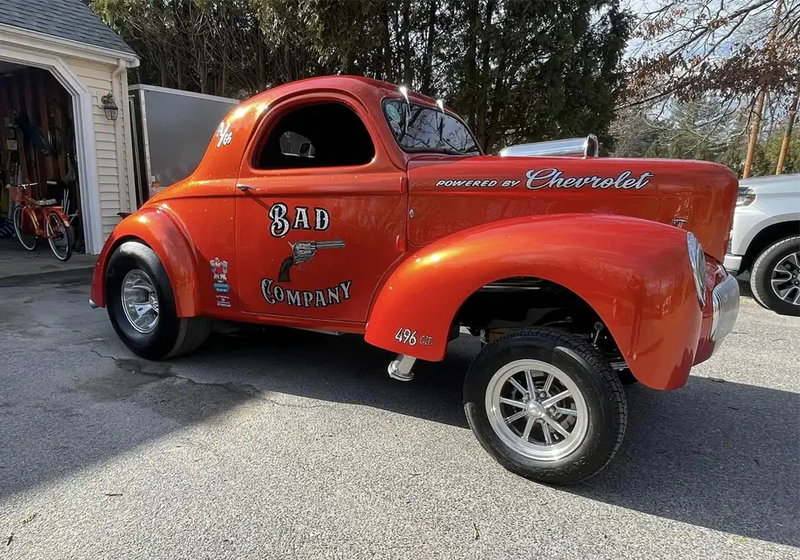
(82, 140)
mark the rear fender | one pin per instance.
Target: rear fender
(162, 232)
(634, 273)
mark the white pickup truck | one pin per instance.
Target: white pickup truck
(765, 239)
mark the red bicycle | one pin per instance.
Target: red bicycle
(41, 218)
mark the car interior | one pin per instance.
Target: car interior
(319, 135)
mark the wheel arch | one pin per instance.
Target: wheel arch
(519, 302)
(617, 266)
(766, 237)
(162, 233)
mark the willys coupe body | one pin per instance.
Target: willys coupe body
(348, 205)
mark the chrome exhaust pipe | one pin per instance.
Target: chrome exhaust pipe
(575, 147)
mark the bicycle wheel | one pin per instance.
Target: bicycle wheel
(60, 236)
(28, 240)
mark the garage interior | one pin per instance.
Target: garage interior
(37, 145)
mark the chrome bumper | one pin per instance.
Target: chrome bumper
(93, 305)
(725, 300)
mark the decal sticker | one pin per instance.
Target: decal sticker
(224, 134)
(304, 251)
(333, 295)
(467, 183)
(223, 300)
(220, 270)
(551, 178)
(282, 223)
(407, 336)
(481, 183)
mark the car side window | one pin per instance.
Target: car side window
(318, 135)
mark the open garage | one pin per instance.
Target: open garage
(64, 117)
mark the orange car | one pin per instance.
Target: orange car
(349, 205)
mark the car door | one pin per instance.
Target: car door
(320, 212)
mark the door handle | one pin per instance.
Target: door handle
(245, 188)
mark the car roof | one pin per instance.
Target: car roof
(354, 84)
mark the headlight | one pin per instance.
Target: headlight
(746, 196)
(698, 260)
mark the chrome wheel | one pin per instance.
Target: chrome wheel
(785, 279)
(537, 410)
(140, 301)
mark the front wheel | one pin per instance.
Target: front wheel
(141, 306)
(60, 236)
(27, 240)
(775, 278)
(546, 405)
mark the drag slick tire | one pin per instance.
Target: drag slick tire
(141, 306)
(546, 405)
(775, 278)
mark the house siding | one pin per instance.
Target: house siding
(114, 197)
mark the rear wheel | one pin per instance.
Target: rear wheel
(775, 278)
(141, 306)
(60, 236)
(27, 240)
(546, 405)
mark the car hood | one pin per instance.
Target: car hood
(693, 195)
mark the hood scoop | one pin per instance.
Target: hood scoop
(575, 147)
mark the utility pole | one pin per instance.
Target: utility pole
(759, 107)
(788, 134)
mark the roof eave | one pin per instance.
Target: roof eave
(66, 47)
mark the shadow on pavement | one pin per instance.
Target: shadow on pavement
(341, 369)
(716, 454)
(720, 455)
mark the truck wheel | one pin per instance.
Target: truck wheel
(141, 306)
(545, 405)
(775, 278)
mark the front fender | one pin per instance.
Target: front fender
(634, 273)
(162, 232)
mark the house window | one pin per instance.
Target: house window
(318, 135)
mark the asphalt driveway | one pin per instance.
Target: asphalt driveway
(276, 443)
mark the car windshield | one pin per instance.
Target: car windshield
(429, 130)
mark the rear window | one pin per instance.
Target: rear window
(429, 129)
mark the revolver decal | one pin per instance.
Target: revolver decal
(304, 251)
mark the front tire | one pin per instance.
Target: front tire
(27, 240)
(546, 405)
(775, 277)
(142, 309)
